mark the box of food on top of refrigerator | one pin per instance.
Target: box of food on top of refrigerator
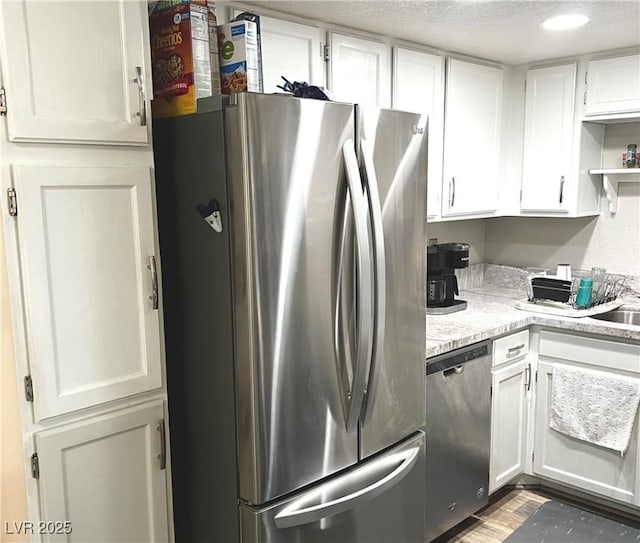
(184, 55)
(239, 64)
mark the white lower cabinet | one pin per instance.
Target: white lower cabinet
(578, 463)
(105, 478)
(510, 384)
(508, 423)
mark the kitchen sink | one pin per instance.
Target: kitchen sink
(623, 316)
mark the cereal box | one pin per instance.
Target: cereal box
(247, 16)
(184, 56)
(239, 67)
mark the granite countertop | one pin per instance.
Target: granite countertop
(491, 312)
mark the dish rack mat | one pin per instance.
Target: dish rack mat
(549, 307)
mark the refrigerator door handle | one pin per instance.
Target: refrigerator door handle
(380, 277)
(311, 508)
(352, 400)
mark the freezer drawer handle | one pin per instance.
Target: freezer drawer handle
(300, 512)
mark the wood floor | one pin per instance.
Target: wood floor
(498, 520)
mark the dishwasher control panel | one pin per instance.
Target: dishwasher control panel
(455, 358)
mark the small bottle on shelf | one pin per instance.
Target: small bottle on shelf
(624, 160)
(631, 155)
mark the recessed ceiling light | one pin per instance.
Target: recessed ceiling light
(565, 22)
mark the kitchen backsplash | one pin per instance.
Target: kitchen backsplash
(515, 277)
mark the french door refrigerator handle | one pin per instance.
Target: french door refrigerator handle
(352, 401)
(299, 512)
(380, 277)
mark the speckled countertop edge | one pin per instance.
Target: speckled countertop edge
(491, 313)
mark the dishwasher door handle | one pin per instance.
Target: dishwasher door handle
(453, 371)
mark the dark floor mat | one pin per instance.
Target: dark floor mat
(557, 522)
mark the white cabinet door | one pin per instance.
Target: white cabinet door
(418, 84)
(291, 50)
(613, 86)
(69, 70)
(360, 71)
(471, 138)
(86, 239)
(104, 476)
(548, 138)
(508, 422)
(578, 463)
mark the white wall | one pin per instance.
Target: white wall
(611, 242)
(471, 232)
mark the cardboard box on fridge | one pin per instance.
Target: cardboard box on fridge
(239, 57)
(184, 55)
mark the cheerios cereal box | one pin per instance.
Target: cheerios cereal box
(184, 55)
(239, 57)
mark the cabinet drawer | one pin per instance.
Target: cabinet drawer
(588, 350)
(510, 347)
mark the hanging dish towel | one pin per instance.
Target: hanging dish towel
(594, 406)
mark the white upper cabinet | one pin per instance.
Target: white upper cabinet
(105, 477)
(291, 50)
(548, 138)
(471, 139)
(360, 71)
(86, 237)
(613, 86)
(76, 71)
(418, 86)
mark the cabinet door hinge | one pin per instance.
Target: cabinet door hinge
(533, 456)
(491, 391)
(28, 388)
(584, 100)
(35, 466)
(520, 195)
(327, 53)
(585, 77)
(536, 377)
(3, 101)
(12, 202)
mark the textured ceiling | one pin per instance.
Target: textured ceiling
(507, 31)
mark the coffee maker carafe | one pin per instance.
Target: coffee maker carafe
(442, 284)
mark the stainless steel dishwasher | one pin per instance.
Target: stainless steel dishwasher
(458, 435)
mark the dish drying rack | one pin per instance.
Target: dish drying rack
(606, 288)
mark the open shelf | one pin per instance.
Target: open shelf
(610, 179)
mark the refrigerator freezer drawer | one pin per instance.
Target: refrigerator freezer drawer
(380, 500)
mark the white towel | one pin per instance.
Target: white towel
(594, 406)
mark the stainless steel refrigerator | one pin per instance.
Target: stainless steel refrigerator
(292, 236)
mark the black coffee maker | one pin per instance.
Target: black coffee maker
(442, 284)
